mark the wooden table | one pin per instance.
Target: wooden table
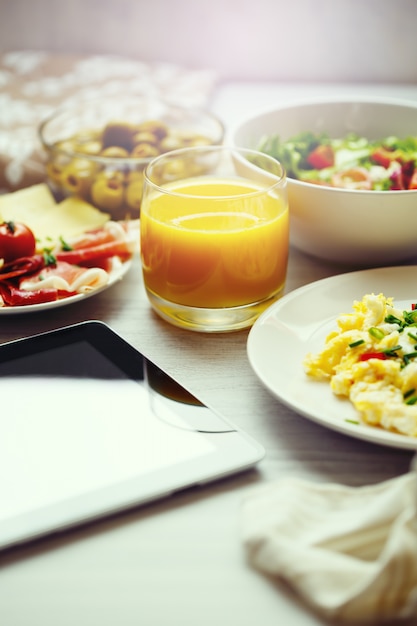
(180, 562)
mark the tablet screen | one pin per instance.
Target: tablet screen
(90, 427)
(77, 423)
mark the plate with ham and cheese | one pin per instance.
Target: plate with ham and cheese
(78, 251)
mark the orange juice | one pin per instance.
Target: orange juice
(214, 243)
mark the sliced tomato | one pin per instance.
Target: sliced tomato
(321, 157)
(384, 156)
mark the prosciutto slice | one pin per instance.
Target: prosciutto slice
(65, 277)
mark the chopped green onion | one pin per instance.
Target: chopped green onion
(409, 357)
(376, 333)
(391, 319)
(49, 258)
(413, 336)
(392, 351)
(65, 246)
(411, 400)
(354, 344)
(352, 422)
(409, 393)
(410, 317)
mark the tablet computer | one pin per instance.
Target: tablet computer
(89, 427)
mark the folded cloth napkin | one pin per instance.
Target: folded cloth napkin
(349, 552)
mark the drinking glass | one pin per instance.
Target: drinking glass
(214, 236)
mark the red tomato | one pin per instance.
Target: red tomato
(384, 157)
(321, 157)
(16, 241)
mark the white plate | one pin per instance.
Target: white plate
(115, 275)
(299, 323)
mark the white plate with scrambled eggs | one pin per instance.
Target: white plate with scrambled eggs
(339, 352)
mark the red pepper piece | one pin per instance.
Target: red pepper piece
(21, 267)
(17, 297)
(321, 157)
(373, 355)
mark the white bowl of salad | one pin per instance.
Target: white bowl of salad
(352, 175)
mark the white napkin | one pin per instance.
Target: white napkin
(349, 552)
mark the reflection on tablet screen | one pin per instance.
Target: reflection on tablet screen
(81, 424)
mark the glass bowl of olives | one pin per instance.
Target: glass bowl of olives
(98, 149)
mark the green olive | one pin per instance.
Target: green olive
(115, 152)
(107, 193)
(144, 151)
(111, 174)
(92, 147)
(54, 171)
(146, 137)
(170, 143)
(131, 176)
(156, 127)
(67, 145)
(118, 191)
(173, 170)
(134, 194)
(77, 175)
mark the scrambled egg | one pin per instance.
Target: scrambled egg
(372, 359)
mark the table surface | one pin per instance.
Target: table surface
(181, 561)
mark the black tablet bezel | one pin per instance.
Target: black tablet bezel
(95, 332)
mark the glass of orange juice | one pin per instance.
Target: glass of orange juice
(214, 236)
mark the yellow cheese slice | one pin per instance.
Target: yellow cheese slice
(25, 204)
(50, 221)
(70, 218)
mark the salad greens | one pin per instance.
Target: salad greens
(351, 162)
